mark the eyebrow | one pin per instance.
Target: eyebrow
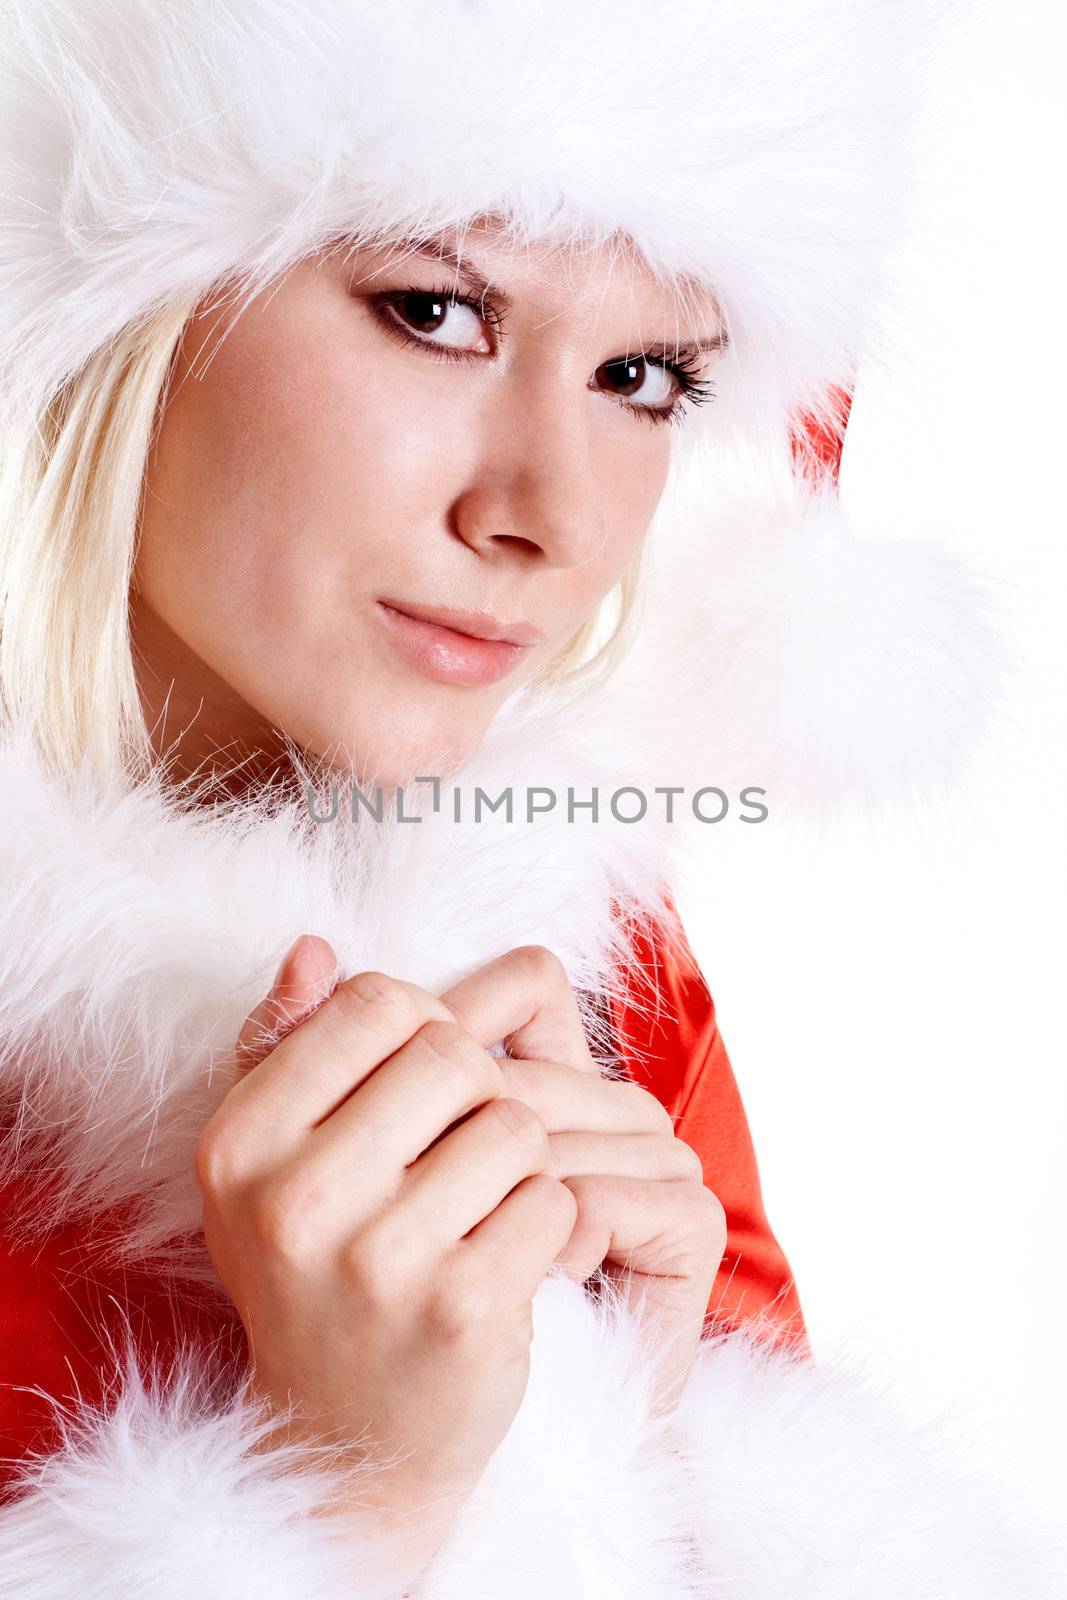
(437, 250)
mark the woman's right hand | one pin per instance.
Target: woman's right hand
(381, 1214)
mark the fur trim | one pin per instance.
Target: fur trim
(839, 671)
(772, 1480)
(134, 937)
(810, 1482)
(169, 1493)
(584, 1496)
(151, 149)
(136, 933)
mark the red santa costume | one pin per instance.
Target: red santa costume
(150, 149)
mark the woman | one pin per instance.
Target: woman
(372, 1158)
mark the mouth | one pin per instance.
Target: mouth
(470, 648)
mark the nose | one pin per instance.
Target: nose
(532, 492)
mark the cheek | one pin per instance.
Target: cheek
(631, 474)
(284, 479)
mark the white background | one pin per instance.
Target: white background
(893, 997)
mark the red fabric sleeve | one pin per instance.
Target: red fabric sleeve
(670, 1043)
(65, 1317)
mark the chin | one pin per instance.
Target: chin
(395, 740)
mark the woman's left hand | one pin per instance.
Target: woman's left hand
(645, 1215)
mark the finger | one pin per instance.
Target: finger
(569, 1101)
(524, 998)
(648, 1227)
(522, 1239)
(622, 1155)
(302, 982)
(462, 1179)
(415, 1096)
(317, 1065)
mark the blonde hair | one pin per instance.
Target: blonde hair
(70, 496)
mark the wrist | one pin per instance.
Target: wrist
(398, 1518)
(399, 1538)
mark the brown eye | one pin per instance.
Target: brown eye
(439, 320)
(425, 312)
(634, 378)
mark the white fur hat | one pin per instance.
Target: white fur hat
(151, 148)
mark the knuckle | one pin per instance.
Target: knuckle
(690, 1163)
(651, 1112)
(559, 1201)
(375, 1261)
(215, 1160)
(519, 1123)
(542, 964)
(714, 1214)
(463, 1057)
(445, 1038)
(284, 1220)
(463, 1305)
(367, 992)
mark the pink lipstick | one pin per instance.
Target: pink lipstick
(471, 648)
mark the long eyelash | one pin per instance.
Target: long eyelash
(686, 365)
(437, 352)
(696, 390)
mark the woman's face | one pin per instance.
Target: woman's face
(393, 488)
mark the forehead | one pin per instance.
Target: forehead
(587, 278)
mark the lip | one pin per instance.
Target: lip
(475, 624)
(470, 648)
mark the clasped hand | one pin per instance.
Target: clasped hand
(383, 1196)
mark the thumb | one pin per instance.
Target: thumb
(303, 981)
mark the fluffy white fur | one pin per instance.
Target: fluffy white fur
(135, 935)
(840, 671)
(149, 152)
(133, 940)
(165, 1496)
(772, 1480)
(809, 1481)
(150, 149)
